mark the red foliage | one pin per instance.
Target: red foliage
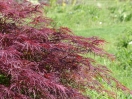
(41, 61)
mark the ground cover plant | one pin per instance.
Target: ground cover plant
(42, 62)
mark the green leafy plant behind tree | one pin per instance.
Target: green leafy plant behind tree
(42, 62)
(124, 46)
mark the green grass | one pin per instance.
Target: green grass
(105, 19)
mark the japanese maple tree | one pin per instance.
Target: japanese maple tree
(38, 61)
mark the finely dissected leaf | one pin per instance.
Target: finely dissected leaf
(42, 62)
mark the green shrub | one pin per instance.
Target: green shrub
(124, 40)
(122, 12)
(124, 46)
